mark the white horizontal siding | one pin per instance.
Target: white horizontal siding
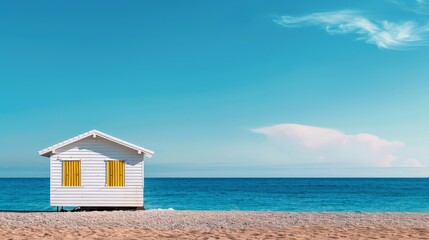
(93, 191)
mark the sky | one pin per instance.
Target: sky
(221, 88)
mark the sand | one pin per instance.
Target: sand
(213, 225)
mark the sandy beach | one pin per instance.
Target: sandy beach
(213, 225)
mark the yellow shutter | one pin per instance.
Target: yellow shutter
(115, 173)
(71, 173)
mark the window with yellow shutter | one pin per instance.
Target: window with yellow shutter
(115, 173)
(71, 173)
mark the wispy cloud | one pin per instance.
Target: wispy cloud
(384, 34)
(417, 6)
(324, 145)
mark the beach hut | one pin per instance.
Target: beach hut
(96, 170)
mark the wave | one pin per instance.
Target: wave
(161, 209)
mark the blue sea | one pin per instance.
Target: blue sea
(256, 194)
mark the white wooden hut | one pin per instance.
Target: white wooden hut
(95, 169)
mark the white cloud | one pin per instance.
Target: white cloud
(384, 34)
(410, 162)
(309, 144)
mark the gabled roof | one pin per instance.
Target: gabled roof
(95, 133)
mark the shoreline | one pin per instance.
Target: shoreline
(225, 211)
(223, 224)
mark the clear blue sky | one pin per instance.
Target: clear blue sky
(220, 88)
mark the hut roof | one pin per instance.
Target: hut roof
(95, 133)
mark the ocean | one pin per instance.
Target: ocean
(254, 194)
